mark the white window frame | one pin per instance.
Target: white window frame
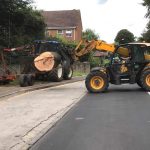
(60, 33)
(49, 33)
(69, 33)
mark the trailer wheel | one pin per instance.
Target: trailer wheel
(23, 80)
(30, 79)
(145, 80)
(56, 74)
(68, 74)
(5, 82)
(96, 82)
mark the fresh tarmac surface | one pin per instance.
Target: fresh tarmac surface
(116, 120)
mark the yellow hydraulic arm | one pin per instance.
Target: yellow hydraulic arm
(92, 45)
(85, 47)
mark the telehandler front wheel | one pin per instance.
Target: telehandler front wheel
(145, 80)
(96, 82)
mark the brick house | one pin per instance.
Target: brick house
(66, 23)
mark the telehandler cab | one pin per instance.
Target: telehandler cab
(129, 63)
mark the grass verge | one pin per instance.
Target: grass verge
(77, 74)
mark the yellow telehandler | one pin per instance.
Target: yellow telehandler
(129, 63)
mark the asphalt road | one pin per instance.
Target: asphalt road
(116, 120)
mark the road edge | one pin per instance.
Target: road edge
(38, 87)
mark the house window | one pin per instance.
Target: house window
(68, 33)
(60, 32)
(48, 33)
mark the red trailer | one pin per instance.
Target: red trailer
(7, 74)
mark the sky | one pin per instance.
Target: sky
(105, 17)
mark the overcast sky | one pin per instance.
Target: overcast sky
(105, 17)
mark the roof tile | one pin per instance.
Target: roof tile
(64, 18)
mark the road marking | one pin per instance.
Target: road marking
(79, 118)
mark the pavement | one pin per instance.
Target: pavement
(27, 113)
(9, 90)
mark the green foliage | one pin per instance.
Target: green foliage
(146, 3)
(19, 23)
(69, 44)
(94, 61)
(78, 73)
(140, 39)
(124, 36)
(85, 57)
(106, 62)
(98, 61)
(146, 34)
(89, 35)
(58, 38)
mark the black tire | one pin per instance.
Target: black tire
(5, 82)
(44, 77)
(56, 74)
(23, 80)
(101, 79)
(68, 73)
(30, 79)
(145, 79)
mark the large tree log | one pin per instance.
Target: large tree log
(47, 61)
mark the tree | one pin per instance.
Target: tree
(146, 3)
(124, 36)
(89, 34)
(19, 23)
(146, 35)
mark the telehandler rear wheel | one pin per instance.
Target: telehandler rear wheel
(96, 82)
(145, 80)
